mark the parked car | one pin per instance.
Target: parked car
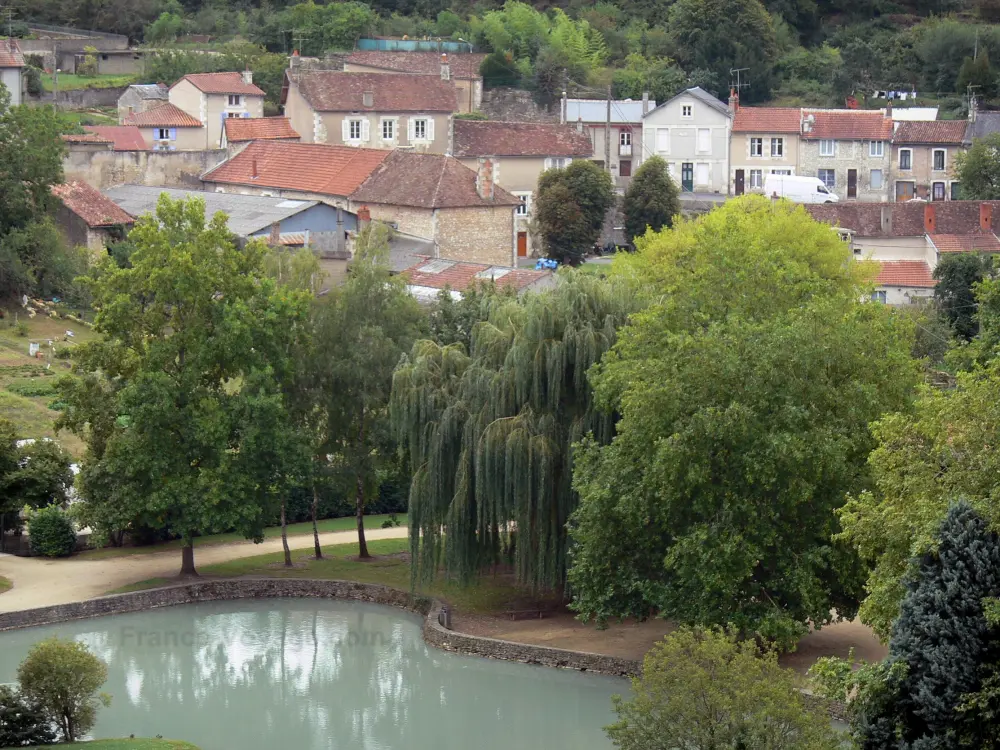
(798, 189)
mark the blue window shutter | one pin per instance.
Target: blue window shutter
(173, 134)
(246, 114)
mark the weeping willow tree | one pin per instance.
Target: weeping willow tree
(489, 432)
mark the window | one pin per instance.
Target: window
(905, 159)
(235, 100)
(354, 130)
(781, 171)
(756, 179)
(828, 177)
(687, 111)
(625, 138)
(232, 114)
(878, 296)
(876, 179)
(827, 148)
(704, 140)
(663, 140)
(557, 162)
(937, 191)
(163, 134)
(756, 147)
(956, 191)
(420, 129)
(939, 159)
(524, 208)
(777, 147)
(388, 130)
(905, 190)
(876, 149)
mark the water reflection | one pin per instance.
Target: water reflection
(313, 674)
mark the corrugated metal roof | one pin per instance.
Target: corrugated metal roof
(623, 111)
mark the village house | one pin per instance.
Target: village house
(765, 141)
(168, 128)
(849, 150)
(237, 132)
(12, 70)
(122, 137)
(88, 219)
(461, 69)
(691, 133)
(429, 197)
(212, 98)
(140, 97)
(371, 110)
(923, 159)
(626, 130)
(519, 152)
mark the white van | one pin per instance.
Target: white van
(798, 189)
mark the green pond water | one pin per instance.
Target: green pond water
(308, 674)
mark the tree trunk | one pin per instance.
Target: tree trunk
(315, 509)
(187, 559)
(362, 544)
(284, 536)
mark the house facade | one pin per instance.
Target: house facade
(518, 153)
(169, 128)
(626, 131)
(923, 159)
(462, 69)
(211, 98)
(88, 219)
(371, 110)
(849, 150)
(12, 70)
(141, 98)
(765, 140)
(691, 132)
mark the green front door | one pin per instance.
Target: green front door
(687, 177)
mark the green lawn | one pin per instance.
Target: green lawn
(128, 744)
(88, 117)
(346, 523)
(5, 584)
(69, 81)
(390, 567)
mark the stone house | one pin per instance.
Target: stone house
(431, 197)
(212, 98)
(461, 69)
(626, 130)
(371, 110)
(168, 128)
(519, 152)
(849, 150)
(88, 219)
(12, 70)
(140, 98)
(765, 140)
(691, 133)
(923, 159)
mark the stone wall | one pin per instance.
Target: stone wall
(176, 169)
(481, 235)
(516, 105)
(81, 98)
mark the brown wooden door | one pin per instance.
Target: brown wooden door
(852, 183)
(522, 244)
(739, 182)
(625, 168)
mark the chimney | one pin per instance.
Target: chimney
(579, 123)
(294, 62)
(888, 109)
(253, 168)
(364, 218)
(645, 102)
(887, 218)
(368, 99)
(734, 101)
(930, 220)
(248, 77)
(484, 179)
(445, 68)
(562, 109)
(274, 239)
(986, 217)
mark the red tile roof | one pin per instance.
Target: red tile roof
(478, 138)
(333, 91)
(767, 120)
(305, 167)
(221, 83)
(426, 181)
(419, 63)
(907, 219)
(85, 138)
(937, 131)
(125, 137)
(10, 54)
(88, 203)
(258, 129)
(914, 273)
(163, 116)
(460, 275)
(848, 125)
(982, 242)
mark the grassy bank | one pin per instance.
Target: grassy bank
(5, 584)
(129, 744)
(71, 81)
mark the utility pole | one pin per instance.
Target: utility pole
(55, 72)
(607, 135)
(739, 83)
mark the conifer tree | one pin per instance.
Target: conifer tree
(651, 201)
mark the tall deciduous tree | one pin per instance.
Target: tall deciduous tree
(489, 432)
(179, 399)
(651, 201)
(570, 209)
(955, 293)
(978, 169)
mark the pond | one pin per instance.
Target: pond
(314, 674)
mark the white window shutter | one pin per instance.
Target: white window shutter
(548, 162)
(345, 130)
(411, 129)
(366, 133)
(430, 128)
(173, 134)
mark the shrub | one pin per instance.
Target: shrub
(22, 722)
(51, 532)
(21, 328)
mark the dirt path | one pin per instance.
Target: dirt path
(39, 582)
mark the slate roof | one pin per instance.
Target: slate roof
(907, 219)
(406, 178)
(946, 132)
(305, 167)
(913, 273)
(165, 115)
(240, 129)
(221, 83)
(848, 125)
(698, 93)
(464, 65)
(10, 54)
(88, 203)
(986, 123)
(334, 91)
(438, 273)
(150, 90)
(982, 242)
(623, 111)
(125, 137)
(767, 120)
(486, 138)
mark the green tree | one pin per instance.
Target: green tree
(489, 431)
(745, 393)
(452, 321)
(651, 201)
(166, 28)
(43, 475)
(193, 340)
(22, 722)
(744, 699)
(955, 293)
(63, 678)
(978, 73)
(978, 169)
(570, 208)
